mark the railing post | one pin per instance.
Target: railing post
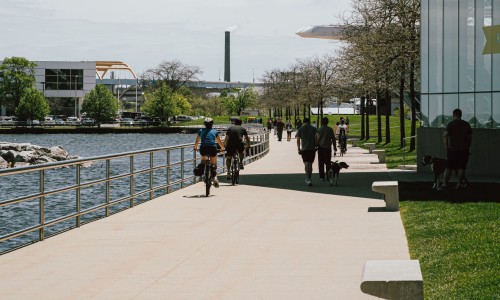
(194, 165)
(168, 171)
(132, 181)
(151, 179)
(107, 186)
(182, 168)
(41, 232)
(78, 195)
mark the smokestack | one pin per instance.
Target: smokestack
(227, 58)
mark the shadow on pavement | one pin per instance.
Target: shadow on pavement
(357, 184)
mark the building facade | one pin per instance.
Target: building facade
(460, 68)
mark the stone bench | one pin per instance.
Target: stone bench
(381, 155)
(371, 147)
(391, 193)
(354, 142)
(393, 279)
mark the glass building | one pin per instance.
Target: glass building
(460, 68)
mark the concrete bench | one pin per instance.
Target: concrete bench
(354, 142)
(381, 155)
(391, 193)
(393, 279)
(371, 146)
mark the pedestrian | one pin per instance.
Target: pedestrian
(274, 125)
(457, 140)
(279, 128)
(269, 125)
(289, 130)
(325, 138)
(341, 134)
(306, 145)
(298, 123)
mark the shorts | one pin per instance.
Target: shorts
(457, 159)
(208, 151)
(308, 155)
(231, 149)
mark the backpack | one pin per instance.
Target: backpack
(342, 132)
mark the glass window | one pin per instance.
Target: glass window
(424, 109)
(466, 104)
(450, 60)
(435, 46)
(424, 46)
(483, 62)
(450, 102)
(496, 57)
(496, 111)
(483, 110)
(466, 48)
(436, 110)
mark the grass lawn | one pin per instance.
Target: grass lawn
(458, 246)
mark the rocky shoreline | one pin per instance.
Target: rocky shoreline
(14, 155)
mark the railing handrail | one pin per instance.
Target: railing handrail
(258, 148)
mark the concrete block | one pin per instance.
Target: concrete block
(354, 142)
(393, 279)
(371, 146)
(381, 155)
(390, 190)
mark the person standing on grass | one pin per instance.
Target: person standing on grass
(306, 145)
(325, 138)
(457, 140)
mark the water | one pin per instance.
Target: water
(22, 215)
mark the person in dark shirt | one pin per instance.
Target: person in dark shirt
(279, 128)
(325, 138)
(306, 144)
(457, 140)
(234, 142)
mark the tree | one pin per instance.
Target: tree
(244, 99)
(174, 73)
(100, 104)
(164, 103)
(32, 106)
(16, 76)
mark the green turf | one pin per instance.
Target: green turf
(458, 247)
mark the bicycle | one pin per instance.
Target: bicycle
(234, 168)
(207, 174)
(342, 145)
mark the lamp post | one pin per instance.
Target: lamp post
(76, 99)
(136, 84)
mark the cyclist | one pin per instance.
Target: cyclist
(234, 142)
(341, 133)
(209, 139)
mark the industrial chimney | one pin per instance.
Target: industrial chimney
(227, 57)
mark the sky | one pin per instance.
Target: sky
(145, 33)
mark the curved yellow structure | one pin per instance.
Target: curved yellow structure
(102, 67)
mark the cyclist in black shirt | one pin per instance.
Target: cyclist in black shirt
(234, 142)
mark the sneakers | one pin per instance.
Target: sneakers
(308, 182)
(215, 182)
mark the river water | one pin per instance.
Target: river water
(22, 215)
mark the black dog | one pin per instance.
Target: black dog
(334, 170)
(438, 165)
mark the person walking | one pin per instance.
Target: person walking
(457, 140)
(325, 138)
(269, 125)
(279, 128)
(306, 145)
(289, 130)
(298, 123)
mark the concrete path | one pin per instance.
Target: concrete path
(271, 237)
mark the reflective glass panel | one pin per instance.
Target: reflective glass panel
(496, 111)
(436, 110)
(435, 46)
(483, 61)
(424, 108)
(466, 104)
(450, 59)
(483, 110)
(424, 46)
(496, 57)
(466, 45)
(450, 102)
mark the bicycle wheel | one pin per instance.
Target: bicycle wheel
(208, 175)
(233, 171)
(237, 177)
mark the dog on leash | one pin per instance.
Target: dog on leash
(334, 171)
(438, 166)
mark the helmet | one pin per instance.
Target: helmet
(208, 122)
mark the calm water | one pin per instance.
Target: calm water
(22, 215)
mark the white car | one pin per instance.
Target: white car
(184, 118)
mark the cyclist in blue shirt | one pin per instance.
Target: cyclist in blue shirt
(208, 138)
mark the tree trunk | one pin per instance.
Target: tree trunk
(362, 113)
(388, 112)
(413, 106)
(379, 117)
(401, 110)
(369, 108)
(309, 111)
(318, 112)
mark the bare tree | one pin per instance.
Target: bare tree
(174, 73)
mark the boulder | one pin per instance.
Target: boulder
(3, 163)
(42, 160)
(58, 153)
(9, 155)
(25, 156)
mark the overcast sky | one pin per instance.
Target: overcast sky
(145, 33)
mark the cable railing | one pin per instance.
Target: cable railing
(42, 200)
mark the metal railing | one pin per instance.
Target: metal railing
(404, 149)
(140, 163)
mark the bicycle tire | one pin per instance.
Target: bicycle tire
(208, 175)
(233, 171)
(237, 177)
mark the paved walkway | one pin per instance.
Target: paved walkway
(271, 237)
